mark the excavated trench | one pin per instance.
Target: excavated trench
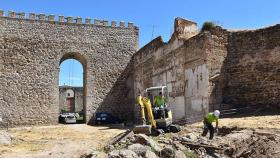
(223, 131)
(246, 143)
(257, 145)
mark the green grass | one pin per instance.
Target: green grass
(189, 154)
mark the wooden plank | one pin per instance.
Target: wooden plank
(121, 136)
(196, 146)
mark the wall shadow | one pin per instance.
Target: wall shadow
(120, 100)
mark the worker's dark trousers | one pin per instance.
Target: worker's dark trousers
(208, 126)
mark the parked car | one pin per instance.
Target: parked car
(80, 117)
(67, 118)
(106, 118)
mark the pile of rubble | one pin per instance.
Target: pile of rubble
(230, 142)
(141, 145)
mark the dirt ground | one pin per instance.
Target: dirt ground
(57, 141)
(257, 136)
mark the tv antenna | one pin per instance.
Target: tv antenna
(153, 30)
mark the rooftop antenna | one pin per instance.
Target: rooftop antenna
(69, 73)
(72, 67)
(153, 30)
(70, 76)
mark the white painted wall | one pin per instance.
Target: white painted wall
(196, 94)
(177, 105)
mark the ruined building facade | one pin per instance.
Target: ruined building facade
(214, 69)
(203, 70)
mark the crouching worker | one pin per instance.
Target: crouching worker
(207, 122)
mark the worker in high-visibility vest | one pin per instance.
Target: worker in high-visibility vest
(160, 101)
(207, 122)
(159, 105)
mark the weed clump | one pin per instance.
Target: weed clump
(208, 26)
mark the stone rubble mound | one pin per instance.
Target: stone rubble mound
(229, 142)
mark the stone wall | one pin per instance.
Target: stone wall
(79, 99)
(184, 29)
(244, 68)
(216, 50)
(32, 49)
(252, 68)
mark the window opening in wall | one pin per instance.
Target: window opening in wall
(71, 92)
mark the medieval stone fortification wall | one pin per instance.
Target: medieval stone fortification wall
(31, 50)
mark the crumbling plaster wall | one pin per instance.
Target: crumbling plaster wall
(181, 66)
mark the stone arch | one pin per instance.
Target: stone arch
(74, 55)
(82, 59)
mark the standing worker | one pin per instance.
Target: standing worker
(207, 122)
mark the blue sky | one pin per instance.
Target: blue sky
(71, 73)
(157, 14)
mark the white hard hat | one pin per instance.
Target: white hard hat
(217, 113)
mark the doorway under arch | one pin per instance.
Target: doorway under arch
(72, 88)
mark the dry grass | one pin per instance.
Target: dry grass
(35, 140)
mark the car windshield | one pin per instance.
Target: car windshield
(103, 115)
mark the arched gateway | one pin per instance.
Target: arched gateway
(32, 49)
